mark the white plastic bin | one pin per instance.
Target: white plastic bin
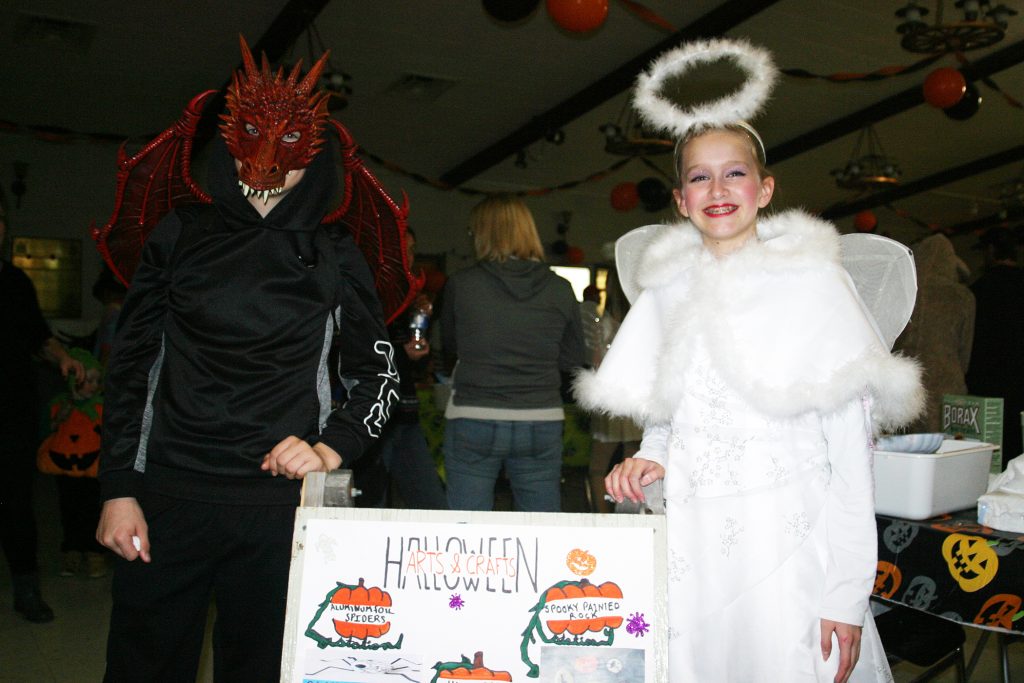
(922, 485)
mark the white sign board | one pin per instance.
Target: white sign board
(388, 596)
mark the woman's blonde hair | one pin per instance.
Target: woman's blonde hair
(502, 227)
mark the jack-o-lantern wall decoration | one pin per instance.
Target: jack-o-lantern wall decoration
(466, 670)
(888, 578)
(73, 449)
(999, 610)
(972, 563)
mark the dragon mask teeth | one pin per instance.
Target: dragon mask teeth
(263, 195)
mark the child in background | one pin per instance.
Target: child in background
(71, 452)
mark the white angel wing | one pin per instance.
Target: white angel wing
(886, 279)
(628, 250)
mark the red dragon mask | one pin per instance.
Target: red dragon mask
(273, 124)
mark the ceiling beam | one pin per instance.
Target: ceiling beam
(931, 182)
(985, 67)
(716, 22)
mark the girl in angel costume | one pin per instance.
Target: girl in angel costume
(759, 377)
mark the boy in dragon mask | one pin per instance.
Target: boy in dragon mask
(218, 400)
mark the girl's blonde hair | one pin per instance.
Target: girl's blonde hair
(502, 227)
(742, 131)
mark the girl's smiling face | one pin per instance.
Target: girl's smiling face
(722, 189)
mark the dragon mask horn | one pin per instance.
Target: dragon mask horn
(248, 61)
(311, 79)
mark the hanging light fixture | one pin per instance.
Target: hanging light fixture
(868, 167)
(627, 136)
(333, 80)
(978, 25)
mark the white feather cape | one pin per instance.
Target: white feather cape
(781, 319)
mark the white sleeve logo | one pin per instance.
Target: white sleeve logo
(380, 411)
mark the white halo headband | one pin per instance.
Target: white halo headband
(734, 108)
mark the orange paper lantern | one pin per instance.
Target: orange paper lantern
(624, 197)
(578, 16)
(944, 87)
(865, 221)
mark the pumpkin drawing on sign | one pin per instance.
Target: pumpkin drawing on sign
(465, 670)
(580, 562)
(568, 611)
(356, 614)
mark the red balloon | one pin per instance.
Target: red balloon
(944, 87)
(574, 255)
(578, 16)
(624, 197)
(865, 221)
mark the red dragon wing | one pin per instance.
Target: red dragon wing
(378, 226)
(149, 185)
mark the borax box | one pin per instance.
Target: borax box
(975, 418)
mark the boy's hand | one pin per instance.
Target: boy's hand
(123, 529)
(294, 457)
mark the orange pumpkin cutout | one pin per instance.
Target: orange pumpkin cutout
(999, 611)
(73, 449)
(583, 589)
(888, 578)
(356, 597)
(580, 562)
(467, 671)
(972, 562)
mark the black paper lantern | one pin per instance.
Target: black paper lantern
(510, 10)
(654, 194)
(967, 106)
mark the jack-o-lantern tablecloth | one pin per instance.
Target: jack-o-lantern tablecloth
(953, 567)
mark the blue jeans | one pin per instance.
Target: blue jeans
(474, 451)
(405, 454)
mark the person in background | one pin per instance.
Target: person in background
(613, 438)
(997, 357)
(941, 329)
(514, 326)
(402, 447)
(109, 292)
(71, 451)
(23, 333)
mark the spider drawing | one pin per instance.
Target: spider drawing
(398, 667)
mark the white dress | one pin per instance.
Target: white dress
(751, 503)
(757, 378)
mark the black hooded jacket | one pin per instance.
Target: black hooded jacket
(222, 346)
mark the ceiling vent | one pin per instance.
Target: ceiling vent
(53, 34)
(419, 88)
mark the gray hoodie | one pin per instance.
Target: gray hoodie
(514, 326)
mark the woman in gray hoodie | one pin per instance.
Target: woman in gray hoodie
(515, 327)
